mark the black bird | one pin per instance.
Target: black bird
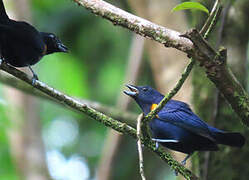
(22, 45)
(178, 128)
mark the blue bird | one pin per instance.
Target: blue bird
(178, 128)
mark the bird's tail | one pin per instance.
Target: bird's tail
(3, 14)
(230, 139)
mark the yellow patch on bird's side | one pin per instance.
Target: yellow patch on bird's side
(153, 106)
(45, 50)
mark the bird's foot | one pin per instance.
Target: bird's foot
(157, 145)
(34, 79)
(183, 162)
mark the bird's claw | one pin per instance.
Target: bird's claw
(34, 79)
(183, 162)
(157, 145)
(155, 140)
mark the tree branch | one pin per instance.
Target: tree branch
(199, 50)
(102, 118)
(221, 75)
(127, 117)
(168, 37)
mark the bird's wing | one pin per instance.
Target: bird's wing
(183, 117)
(22, 32)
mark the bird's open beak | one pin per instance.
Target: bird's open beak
(62, 48)
(134, 91)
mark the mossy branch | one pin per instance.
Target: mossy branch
(127, 117)
(221, 75)
(198, 49)
(100, 117)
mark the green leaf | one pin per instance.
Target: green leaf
(191, 5)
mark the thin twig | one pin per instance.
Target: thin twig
(210, 18)
(139, 146)
(210, 24)
(213, 22)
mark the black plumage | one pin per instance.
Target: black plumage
(21, 45)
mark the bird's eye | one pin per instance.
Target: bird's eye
(145, 89)
(52, 36)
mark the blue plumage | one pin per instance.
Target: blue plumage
(177, 127)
